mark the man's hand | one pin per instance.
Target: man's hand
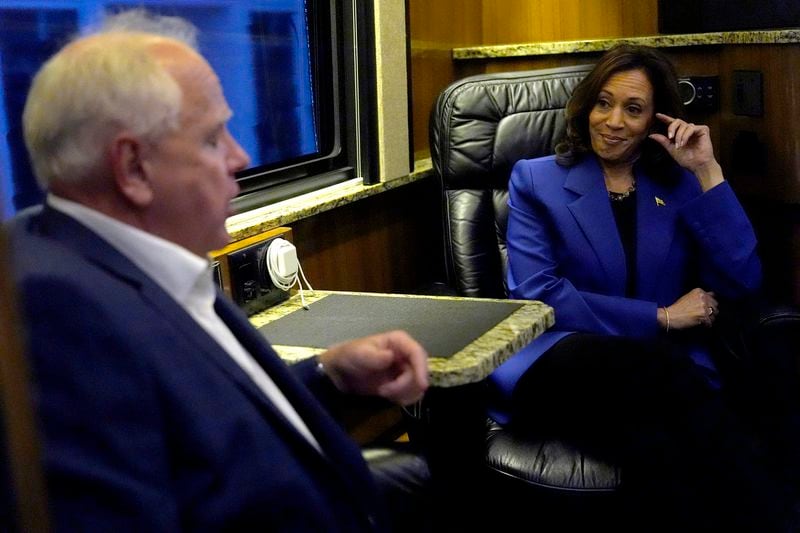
(391, 365)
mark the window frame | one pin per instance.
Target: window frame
(350, 63)
(343, 73)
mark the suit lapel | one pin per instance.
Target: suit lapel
(298, 395)
(593, 215)
(341, 453)
(264, 355)
(655, 220)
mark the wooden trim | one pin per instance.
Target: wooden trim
(22, 442)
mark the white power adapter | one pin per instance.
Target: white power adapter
(281, 263)
(285, 258)
(283, 266)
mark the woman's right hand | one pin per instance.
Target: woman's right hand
(696, 307)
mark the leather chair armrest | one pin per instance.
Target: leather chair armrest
(404, 480)
(775, 333)
(758, 333)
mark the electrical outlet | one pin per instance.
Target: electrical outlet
(748, 98)
(240, 270)
(251, 287)
(700, 93)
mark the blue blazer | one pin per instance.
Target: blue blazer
(564, 249)
(149, 425)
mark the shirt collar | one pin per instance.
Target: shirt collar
(174, 268)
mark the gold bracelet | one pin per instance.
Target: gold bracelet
(666, 330)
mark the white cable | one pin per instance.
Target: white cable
(283, 267)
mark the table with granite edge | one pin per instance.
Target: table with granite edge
(471, 364)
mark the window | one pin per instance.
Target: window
(294, 72)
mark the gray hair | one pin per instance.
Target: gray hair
(142, 21)
(97, 86)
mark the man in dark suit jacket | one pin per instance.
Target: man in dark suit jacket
(162, 408)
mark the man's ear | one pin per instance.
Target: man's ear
(128, 168)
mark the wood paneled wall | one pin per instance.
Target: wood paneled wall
(761, 157)
(436, 27)
(526, 21)
(387, 243)
(21, 470)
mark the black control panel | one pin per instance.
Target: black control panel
(700, 93)
(251, 287)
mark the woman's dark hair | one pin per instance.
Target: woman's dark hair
(622, 58)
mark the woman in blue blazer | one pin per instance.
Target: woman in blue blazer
(633, 236)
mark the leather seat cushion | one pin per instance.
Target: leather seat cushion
(547, 463)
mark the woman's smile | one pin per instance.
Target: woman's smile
(612, 139)
(621, 117)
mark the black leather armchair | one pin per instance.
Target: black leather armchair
(480, 126)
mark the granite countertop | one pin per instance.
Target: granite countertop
(788, 36)
(271, 216)
(472, 364)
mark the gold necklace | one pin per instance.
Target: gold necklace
(619, 196)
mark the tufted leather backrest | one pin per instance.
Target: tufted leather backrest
(480, 126)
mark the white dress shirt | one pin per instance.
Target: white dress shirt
(187, 278)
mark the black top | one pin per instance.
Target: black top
(625, 214)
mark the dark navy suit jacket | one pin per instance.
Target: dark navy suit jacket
(149, 425)
(564, 249)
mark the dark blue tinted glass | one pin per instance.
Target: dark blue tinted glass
(262, 51)
(27, 38)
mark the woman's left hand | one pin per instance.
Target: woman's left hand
(690, 146)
